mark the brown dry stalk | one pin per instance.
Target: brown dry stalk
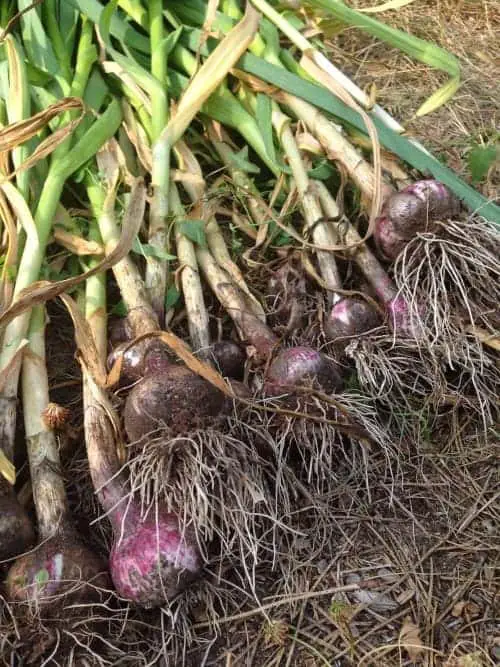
(85, 342)
(195, 187)
(293, 598)
(137, 136)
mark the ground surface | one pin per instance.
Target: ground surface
(420, 525)
(470, 29)
(396, 562)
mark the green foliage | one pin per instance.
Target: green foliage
(279, 236)
(242, 162)
(237, 245)
(322, 170)
(193, 230)
(481, 159)
(148, 250)
(263, 114)
(42, 577)
(119, 309)
(397, 144)
(172, 297)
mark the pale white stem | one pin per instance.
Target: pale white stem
(43, 453)
(14, 337)
(321, 233)
(215, 239)
(360, 252)
(335, 144)
(190, 279)
(250, 327)
(133, 290)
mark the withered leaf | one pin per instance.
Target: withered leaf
(466, 608)
(409, 638)
(44, 290)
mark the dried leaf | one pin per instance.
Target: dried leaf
(111, 67)
(200, 367)
(210, 75)
(76, 244)
(307, 142)
(115, 372)
(47, 146)
(4, 164)
(181, 349)
(409, 638)
(108, 161)
(18, 133)
(467, 609)
(391, 4)
(180, 176)
(85, 342)
(137, 137)
(12, 22)
(7, 469)
(43, 291)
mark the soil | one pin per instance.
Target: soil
(396, 561)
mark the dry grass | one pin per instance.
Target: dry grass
(409, 553)
(470, 29)
(413, 548)
(376, 553)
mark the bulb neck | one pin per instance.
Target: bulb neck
(109, 484)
